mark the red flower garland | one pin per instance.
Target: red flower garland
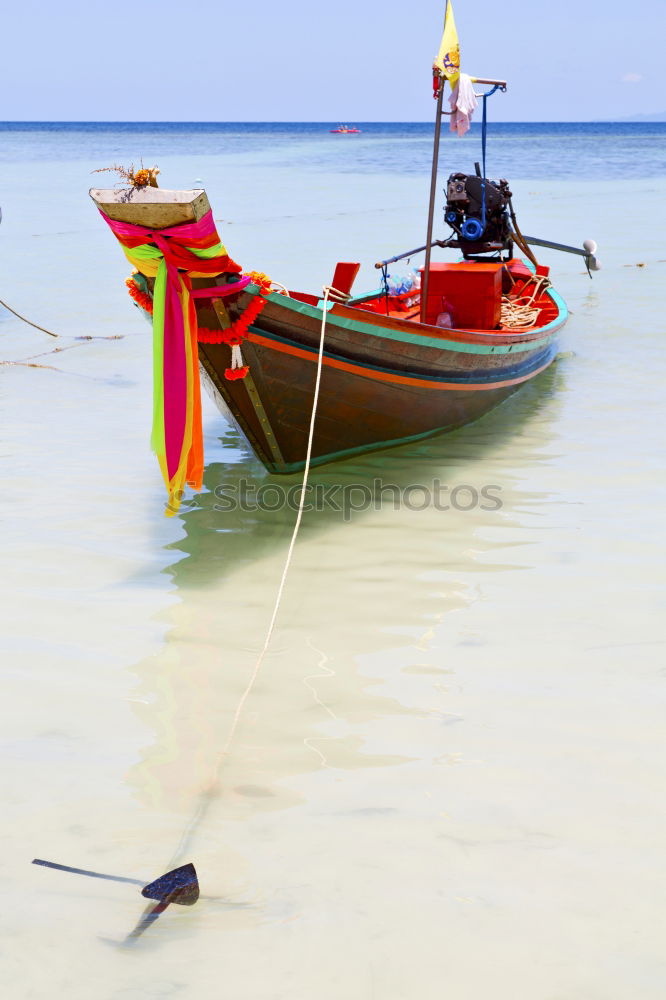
(231, 374)
(234, 334)
(142, 299)
(261, 279)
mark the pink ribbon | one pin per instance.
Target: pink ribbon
(173, 243)
(219, 291)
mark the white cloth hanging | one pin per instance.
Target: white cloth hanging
(463, 104)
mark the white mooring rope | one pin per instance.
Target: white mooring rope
(329, 293)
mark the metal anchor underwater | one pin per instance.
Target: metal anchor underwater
(180, 885)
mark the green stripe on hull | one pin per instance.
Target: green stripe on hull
(334, 456)
(369, 330)
(489, 378)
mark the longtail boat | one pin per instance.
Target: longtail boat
(404, 361)
(388, 377)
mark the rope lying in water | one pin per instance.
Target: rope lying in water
(521, 311)
(335, 295)
(29, 322)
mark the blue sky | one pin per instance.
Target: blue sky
(565, 60)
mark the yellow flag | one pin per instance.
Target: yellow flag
(448, 57)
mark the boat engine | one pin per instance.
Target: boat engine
(480, 226)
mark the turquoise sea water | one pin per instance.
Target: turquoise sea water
(525, 149)
(448, 778)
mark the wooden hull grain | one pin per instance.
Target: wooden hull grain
(384, 381)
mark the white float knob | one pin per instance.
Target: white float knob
(590, 246)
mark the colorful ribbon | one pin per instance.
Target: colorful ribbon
(173, 256)
(220, 291)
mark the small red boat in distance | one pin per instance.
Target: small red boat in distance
(344, 130)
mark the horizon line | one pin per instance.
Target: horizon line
(642, 120)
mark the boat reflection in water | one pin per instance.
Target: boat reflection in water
(347, 686)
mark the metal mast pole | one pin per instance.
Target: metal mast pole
(433, 192)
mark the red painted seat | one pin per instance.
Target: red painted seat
(345, 276)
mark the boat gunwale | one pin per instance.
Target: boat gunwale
(429, 336)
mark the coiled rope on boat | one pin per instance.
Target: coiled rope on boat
(521, 311)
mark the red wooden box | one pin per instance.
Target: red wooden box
(472, 289)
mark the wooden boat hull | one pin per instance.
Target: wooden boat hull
(385, 381)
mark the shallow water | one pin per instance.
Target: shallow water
(448, 778)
